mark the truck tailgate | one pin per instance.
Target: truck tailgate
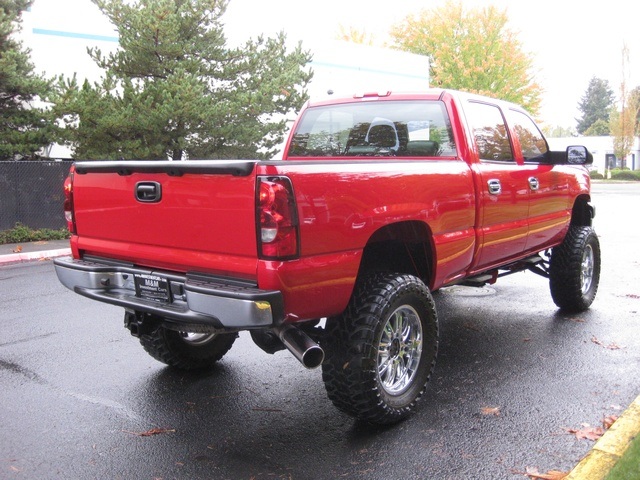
(184, 216)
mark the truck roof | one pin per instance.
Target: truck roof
(427, 94)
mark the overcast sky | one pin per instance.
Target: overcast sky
(571, 40)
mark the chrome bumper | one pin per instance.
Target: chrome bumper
(193, 299)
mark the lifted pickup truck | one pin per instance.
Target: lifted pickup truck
(333, 252)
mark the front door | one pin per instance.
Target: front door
(503, 190)
(549, 207)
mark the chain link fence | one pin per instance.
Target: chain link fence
(32, 193)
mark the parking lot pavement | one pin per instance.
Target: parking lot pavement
(30, 251)
(484, 363)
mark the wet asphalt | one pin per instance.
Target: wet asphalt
(78, 394)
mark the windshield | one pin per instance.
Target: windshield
(402, 128)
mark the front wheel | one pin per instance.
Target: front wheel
(381, 351)
(185, 350)
(574, 270)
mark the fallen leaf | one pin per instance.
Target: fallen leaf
(495, 411)
(608, 421)
(611, 346)
(150, 433)
(587, 432)
(18, 249)
(534, 474)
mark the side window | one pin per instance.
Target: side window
(490, 132)
(532, 142)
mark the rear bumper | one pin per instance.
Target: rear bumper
(192, 299)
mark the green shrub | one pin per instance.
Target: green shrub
(633, 175)
(595, 175)
(21, 233)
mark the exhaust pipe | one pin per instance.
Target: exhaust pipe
(300, 344)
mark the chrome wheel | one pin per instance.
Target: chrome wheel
(197, 338)
(586, 270)
(399, 350)
(574, 269)
(381, 351)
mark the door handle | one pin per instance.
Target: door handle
(534, 184)
(148, 192)
(495, 187)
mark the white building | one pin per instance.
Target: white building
(602, 150)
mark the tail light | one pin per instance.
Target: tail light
(277, 218)
(68, 201)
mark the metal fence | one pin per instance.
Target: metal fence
(32, 193)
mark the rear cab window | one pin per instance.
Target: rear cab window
(375, 129)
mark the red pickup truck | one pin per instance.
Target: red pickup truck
(333, 251)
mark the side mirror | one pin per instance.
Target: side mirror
(579, 155)
(574, 155)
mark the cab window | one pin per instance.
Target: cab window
(375, 129)
(532, 142)
(490, 132)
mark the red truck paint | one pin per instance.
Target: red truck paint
(273, 246)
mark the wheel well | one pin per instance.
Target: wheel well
(404, 247)
(583, 212)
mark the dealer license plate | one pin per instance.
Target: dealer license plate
(152, 287)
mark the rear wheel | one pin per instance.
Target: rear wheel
(380, 353)
(185, 350)
(574, 270)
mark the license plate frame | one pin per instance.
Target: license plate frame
(152, 287)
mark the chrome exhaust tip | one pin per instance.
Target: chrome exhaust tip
(308, 352)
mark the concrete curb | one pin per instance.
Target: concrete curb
(611, 446)
(31, 256)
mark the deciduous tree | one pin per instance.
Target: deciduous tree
(175, 89)
(471, 50)
(355, 35)
(623, 121)
(634, 98)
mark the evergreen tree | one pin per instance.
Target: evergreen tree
(471, 50)
(596, 104)
(174, 89)
(24, 127)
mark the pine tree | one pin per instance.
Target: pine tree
(596, 105)
(24, 126)
(174, 89)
